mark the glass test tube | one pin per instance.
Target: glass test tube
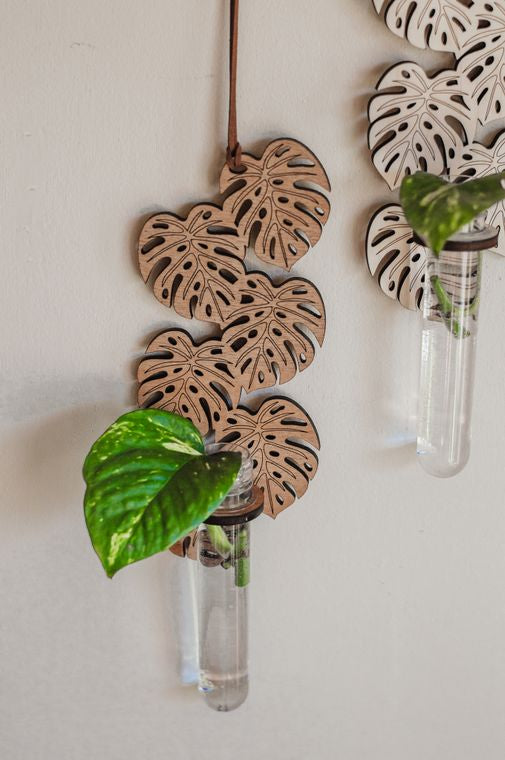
(223, 551)
(448, 351)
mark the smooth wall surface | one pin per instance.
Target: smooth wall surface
(378, 609)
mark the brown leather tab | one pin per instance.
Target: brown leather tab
(233, 151)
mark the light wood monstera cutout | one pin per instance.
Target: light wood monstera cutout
(394, 258)
(483, 62)
(417, 121)
(477, 160)
(423, 123)
(280, 438)
(444, 25)
(273, 198)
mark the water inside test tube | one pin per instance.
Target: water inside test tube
(223, 604)
(448, 350)
(223, 617)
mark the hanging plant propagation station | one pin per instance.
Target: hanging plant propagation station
(213, 445)
(426, 252)
(201, 458)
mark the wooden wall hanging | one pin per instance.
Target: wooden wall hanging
(267, 327)
(422, 122)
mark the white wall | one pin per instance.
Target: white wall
(378, 619)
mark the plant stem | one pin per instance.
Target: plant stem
(219, 540)
(242, 569)
(224, 547)
(448, 310)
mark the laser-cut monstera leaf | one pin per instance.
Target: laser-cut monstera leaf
(477, 160)
(416, 121)
(279, 437)
(267, 339)
(394, 258)
(195, 381)
(273, 195)
(444, 25)
(483, 66)
(195, 261)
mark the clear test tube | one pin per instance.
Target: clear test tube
(448, 351)
(223, 554)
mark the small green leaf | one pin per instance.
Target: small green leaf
(149, 485)
(436, 209)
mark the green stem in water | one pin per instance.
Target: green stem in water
(448, 310)
(224, 547)
(219, 540)
(242, 569)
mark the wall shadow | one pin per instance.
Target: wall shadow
(41, 462)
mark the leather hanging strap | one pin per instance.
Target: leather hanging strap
(234, 150)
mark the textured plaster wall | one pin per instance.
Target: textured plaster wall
(378, 608)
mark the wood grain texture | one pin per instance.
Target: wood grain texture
(267, 338)
(195, 262)
(191, 379)
(274, 204)
(268, 329)
(281, 438)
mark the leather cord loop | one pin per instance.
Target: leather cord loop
(234, 150)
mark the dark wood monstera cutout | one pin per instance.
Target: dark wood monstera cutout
(273, 198)
(195, 261)
(269, 330)
(417, 121)
(394, 258)
(276, 204)
(196, 381)
(267, 338)
(280, 437)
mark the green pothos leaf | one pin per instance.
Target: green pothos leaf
(437, 209)
(149, 484)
